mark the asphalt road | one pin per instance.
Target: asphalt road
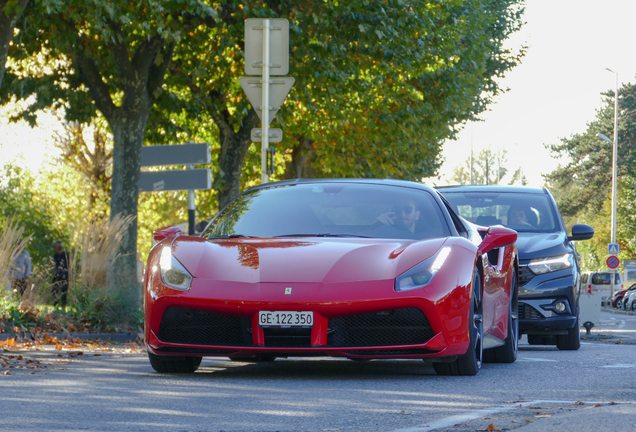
(543, 389)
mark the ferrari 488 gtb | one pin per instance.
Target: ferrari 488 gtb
(361, 269)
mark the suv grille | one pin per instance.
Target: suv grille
(528, 312)
(386, 328)
(195, 327)
(525, 275)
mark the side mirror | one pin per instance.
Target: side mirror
(497, 236)
(165, 232)
(581, 232)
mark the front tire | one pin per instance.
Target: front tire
(168, 364)
(572, 340)
(508, 352)
(469, 363)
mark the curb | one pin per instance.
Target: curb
(113, 337)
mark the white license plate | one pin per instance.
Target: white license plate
(285, 319)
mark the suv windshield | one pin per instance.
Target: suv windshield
(519, 211)
(332, 210)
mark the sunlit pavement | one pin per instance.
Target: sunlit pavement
(119, 391)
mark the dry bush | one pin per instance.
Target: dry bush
(95, 250)
(10, 247)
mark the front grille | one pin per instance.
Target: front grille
(528, 312)
(386, 328)
(525, 275)
(392, 352)
(287, 337)
(195, 327)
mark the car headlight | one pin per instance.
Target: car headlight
(423, 273)
(173, 273)
(551, 264)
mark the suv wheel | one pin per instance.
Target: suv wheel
(572, 340)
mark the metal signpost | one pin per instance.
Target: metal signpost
(266, 53)
(185, 154)
(612, 261)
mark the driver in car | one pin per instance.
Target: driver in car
(517, 216)
(403, 215)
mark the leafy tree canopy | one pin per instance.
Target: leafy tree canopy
(489, 167)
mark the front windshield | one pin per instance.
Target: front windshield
(332, 210)
(519, 211)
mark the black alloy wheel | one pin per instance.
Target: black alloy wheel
(471, 362)
(169, 364)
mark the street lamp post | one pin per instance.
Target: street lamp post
(614, 163)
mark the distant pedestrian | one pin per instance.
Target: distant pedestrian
(20, 272)
(60, 280)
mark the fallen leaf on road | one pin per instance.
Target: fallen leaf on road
(6, 373)
(75, 353)
(491, 427)
(597, 405)
(528, 421)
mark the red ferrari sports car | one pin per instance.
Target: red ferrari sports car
(362, 269)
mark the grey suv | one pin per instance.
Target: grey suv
(549, 270)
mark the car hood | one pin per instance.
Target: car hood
(301, 260)
(539, 245)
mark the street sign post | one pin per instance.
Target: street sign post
(266, 53)
(278, 90)
(612, 262)
(183, 154)
(612, 249)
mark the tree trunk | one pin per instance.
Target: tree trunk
(128, 134)
(7, 24)
(234, 147)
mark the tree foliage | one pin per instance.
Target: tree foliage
(380, 83)
(31, 211)
(489, 167)
(10, 11)
(582, 187)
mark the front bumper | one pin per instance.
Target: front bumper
(538, 294)
(361, 324)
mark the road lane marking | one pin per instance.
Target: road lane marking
(620, 365)
(536, 359)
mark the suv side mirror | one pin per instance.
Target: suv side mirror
(581, 232)
(165, 232)
(497, 236)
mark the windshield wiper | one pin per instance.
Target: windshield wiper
(229, 236)
(322, 235)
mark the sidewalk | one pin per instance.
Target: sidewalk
(617, 417)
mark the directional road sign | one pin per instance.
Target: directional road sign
(181, 154)
(278, 46)
(612, 249)
(613, 262)
(278, 90)
(275, 135)
(175, 180)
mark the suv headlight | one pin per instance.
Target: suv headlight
(173, 273)
(423, 273)
(551, 264)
